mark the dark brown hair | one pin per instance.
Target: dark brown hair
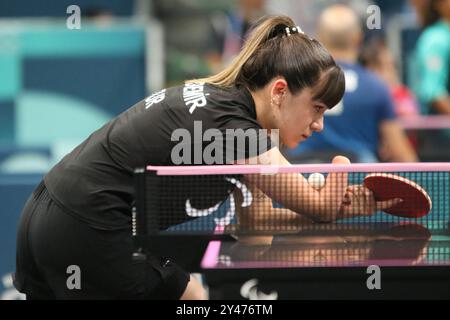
(430, 14)
(369, 55)
(269, 52)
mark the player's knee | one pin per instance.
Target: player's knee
(199, 294)
(194, 291)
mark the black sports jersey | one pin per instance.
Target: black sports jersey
(95, 181)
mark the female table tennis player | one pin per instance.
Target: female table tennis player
(80, 213)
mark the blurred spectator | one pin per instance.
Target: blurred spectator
(305, 12)
(101, 17)
(426, 14)
(232, 32)
(98, 13)
(377, 57)
(365, 119)
(433, 56)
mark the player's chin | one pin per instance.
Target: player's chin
(299, 141)
(292, 144)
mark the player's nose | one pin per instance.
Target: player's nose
(317, 125)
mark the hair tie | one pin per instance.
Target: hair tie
(293, 30)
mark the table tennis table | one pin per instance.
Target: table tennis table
(271, 259)
(331, 262)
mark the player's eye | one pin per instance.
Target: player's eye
(319, 109)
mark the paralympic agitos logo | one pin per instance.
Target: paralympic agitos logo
(231, 212)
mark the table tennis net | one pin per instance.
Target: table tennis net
(252, 199)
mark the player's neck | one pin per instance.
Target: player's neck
(260, 99)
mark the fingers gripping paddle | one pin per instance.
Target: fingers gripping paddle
(385, 186)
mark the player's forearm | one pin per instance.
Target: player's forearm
(331, 196)
(294, 193)
(255, 218)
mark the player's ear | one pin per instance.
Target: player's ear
(278, 91)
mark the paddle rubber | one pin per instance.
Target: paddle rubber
(385, 186)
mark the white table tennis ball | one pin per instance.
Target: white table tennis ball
(316, 180)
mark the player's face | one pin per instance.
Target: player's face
(300, 116)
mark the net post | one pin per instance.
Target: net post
(139, 219)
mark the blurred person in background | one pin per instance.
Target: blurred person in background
(307, 11)
(364, 122)
(431, 69)
(377, 57)
(98, 15)
(231, 31)
(432, 81)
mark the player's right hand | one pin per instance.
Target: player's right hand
(359, 201)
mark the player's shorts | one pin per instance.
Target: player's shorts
(60, 257)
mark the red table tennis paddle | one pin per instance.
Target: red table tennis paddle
(385, 186)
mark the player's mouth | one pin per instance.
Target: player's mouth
(304, 136)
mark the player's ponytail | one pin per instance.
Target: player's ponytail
(276, 47)
(258, 36)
